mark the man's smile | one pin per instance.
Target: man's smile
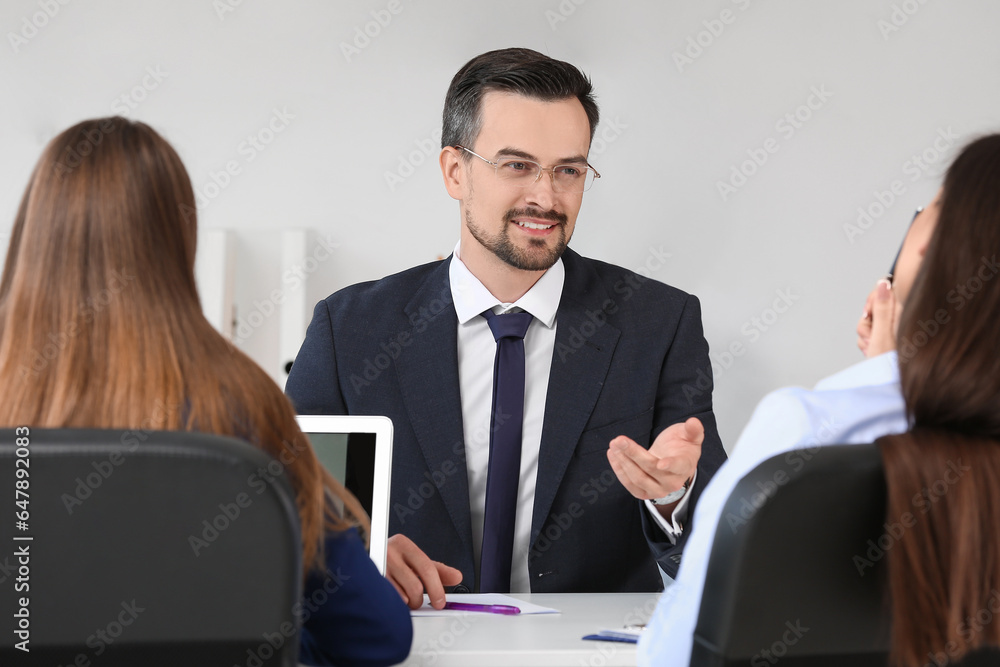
(534, 222)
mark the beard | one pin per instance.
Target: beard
(538, 256)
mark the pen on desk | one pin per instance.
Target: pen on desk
(488, 608)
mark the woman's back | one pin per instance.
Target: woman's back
(101, 326)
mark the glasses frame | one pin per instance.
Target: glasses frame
(892, 269)
(550, 170)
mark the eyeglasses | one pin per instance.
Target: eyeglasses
(892, 270)
(523, 173)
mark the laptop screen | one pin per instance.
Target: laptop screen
(357, 451)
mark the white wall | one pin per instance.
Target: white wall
(673, 132)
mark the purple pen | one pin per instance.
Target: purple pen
(488, 608)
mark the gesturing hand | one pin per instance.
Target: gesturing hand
(664, 467)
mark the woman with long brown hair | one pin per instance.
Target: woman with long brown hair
(101, 327)
(940, 391)
(944, 573)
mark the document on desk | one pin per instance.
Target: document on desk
(629, 634)
(484, 599)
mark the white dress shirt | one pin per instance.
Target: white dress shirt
(476, 353)
(854, 406)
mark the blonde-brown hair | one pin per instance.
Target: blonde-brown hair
(100, 321)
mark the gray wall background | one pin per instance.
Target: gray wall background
(360, 87)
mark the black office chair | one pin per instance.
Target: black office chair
(793, 577)
(146, 548)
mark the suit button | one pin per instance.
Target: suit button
(461, 588)
(676, 558)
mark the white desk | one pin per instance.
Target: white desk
(542, 640)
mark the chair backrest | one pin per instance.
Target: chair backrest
(144, 547)
(796, 572)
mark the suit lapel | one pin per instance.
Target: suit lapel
(429, 383)
(580, 363)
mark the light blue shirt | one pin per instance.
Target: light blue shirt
(855, 406)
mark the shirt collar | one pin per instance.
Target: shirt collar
(472, 298)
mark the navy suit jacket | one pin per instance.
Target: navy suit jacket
(630, 359)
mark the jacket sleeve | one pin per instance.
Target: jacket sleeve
(685, 391)
(313, 384)
(350, 614)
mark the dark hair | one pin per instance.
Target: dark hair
(520, 71)
(946, 568)
(100, 322)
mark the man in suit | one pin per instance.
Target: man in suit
(614, 367)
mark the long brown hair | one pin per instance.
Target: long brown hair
(944, 574)
(100, 321)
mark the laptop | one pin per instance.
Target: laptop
(357, 451)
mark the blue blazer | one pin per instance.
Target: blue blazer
(630, 359)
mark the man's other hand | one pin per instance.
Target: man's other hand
(664, 467)
(412, 572)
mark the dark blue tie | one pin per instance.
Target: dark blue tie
(506, 421)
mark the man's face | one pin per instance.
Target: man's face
(526, 228)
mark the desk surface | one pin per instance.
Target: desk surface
(549, 640)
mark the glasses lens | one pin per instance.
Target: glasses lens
(572, 178)
(521, 172)
(565, 178)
